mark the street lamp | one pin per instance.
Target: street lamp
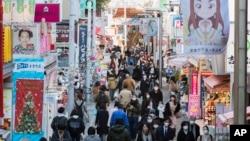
(160, 16)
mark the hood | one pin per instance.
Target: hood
(75, 116)
(78, 102)
(118, 128)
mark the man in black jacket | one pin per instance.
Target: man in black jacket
(165, 132)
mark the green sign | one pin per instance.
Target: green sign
(84, 4)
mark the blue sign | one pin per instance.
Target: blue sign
(82, 46)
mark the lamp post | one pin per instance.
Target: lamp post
(160, 16)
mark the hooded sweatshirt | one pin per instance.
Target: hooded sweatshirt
(118, 132)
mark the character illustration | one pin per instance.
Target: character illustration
(205, 23)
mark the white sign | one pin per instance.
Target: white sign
(49, 99)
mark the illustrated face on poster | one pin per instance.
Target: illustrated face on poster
(206, 25)
(152, 27)
(24, 39)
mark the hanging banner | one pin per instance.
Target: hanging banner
(82, 46)
(152, 28)
(206, 26)
(51, 12)
(143, 27)
(194, 97)
(27, 99)
(25, 40)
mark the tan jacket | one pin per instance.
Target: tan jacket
(129, 82)
(125, 97)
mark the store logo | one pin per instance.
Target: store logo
(22, 65)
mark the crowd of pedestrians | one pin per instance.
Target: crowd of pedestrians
(139, 112)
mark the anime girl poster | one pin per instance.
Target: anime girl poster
(206, 26)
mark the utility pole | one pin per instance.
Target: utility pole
(93, 29)
(240, 63)
(88, 53)
(72, 20)
(1, 67)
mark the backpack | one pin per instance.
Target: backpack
(79, 108)
(75, 126)
(101, 98)
(131, 61)
(59, 120)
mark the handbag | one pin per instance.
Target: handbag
(116, 93)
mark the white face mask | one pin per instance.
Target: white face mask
(156, 126)
(150, 120)
(166, 124)
(148, 96)
(156, 88)
(191, 122)
(144, 77)
(185, 127)
(134, 98)
(205, 132)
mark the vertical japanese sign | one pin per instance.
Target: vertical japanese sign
(27, 99)
(152, 28)
(82, 46)
(194, 97)
(206, 26)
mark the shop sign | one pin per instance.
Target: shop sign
(194, 97)
(51, 12)
(62, 33)
(82, 46)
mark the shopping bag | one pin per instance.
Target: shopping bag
(116, 94)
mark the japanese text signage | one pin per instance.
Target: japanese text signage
(194, 97)
(62, 33)
(82, 46)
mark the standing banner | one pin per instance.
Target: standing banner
(27, 99)
(206, 26)
(25, 40)
(152, 28)
(194, 97)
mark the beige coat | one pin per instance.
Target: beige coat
(125, 97)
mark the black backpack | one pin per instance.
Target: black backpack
(101, 98)
(75, 126)
(79, 109)
(60, 121)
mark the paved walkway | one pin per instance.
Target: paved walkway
(91, 109)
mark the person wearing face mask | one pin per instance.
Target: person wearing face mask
(156, 95)
(144, 86)
(133, 113)
(206, 136)
(172, 109)
(147, 103)
(194, 127)
(165, 132)
(184, 134)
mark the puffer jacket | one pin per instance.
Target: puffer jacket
(118, 132)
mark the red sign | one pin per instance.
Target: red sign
(194, 97)
(29, 106)
(51, 12)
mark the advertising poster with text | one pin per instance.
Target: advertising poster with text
(194, 97)
(205, 26)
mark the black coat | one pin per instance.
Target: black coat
(156, 96)
(144, 106)
(101, 121)
(197, 130)
(185, 137)
(167, 111)
(144, 87)
(160, 136)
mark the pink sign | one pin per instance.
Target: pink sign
(44, 44)
(194, 97)
(51, 12)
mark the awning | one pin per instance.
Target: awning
(223, 87)
(130, 12)
(216, 80)
(226, 117)
(178, 62)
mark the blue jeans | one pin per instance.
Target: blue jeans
(133, 125)
(111, 94)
